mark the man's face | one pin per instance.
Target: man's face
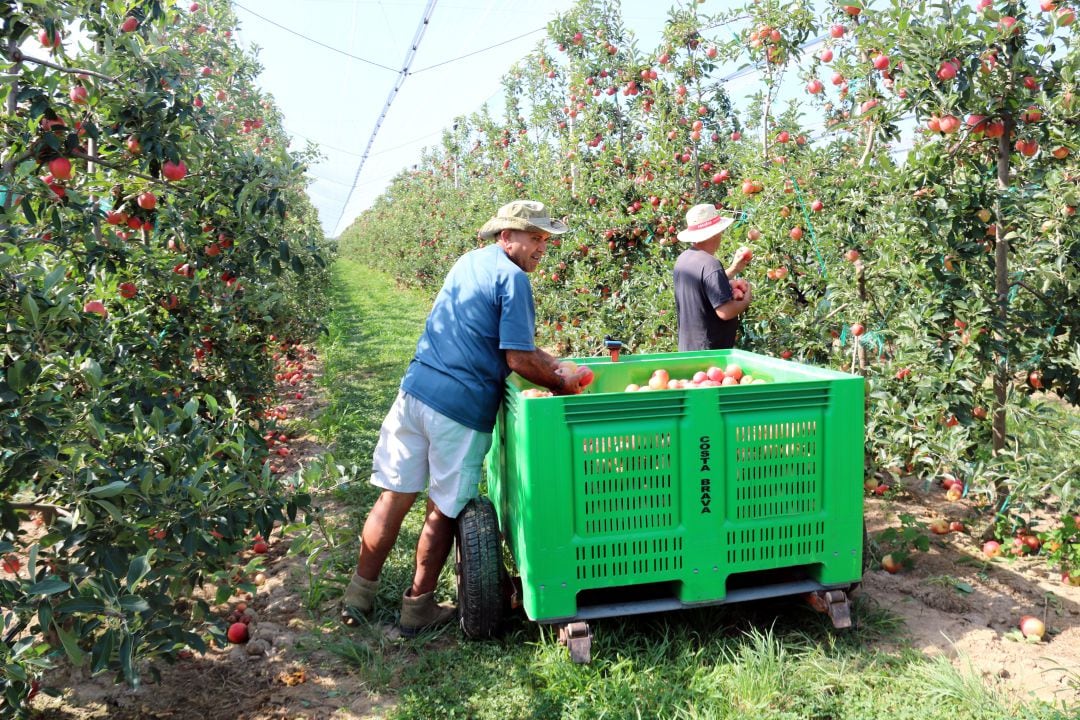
(524, 247)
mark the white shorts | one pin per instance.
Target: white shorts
(417, 445)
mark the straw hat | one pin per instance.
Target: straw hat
(522, 215)
(704, 222)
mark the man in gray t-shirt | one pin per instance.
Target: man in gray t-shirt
(708, 298)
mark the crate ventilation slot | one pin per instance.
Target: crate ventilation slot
(629, 558)
(765, 398)
(776, 470)
(777, 544)
(597, 408)
(625, 484)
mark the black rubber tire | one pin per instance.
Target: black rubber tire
(479, 570)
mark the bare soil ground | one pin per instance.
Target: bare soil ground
(952, 603)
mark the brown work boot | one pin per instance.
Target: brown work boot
(422, 612)
(358, 600)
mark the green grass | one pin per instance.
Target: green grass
(763, 660)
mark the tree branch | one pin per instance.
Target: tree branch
(1046, 301)
(106, 163)
(17, 56)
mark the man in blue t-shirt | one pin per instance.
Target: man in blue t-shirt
(437, 432)
(708, 297)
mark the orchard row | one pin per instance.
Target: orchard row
(908, 187)
(155, 237)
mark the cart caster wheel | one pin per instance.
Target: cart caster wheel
(577, 637)
(479, 570)
(835, 603)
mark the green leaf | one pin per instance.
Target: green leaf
(134, 603)
(30, 309)
(137, 570)
(55, 276)
(49, 586)
(107, 491)
(28, 212)
(80, 605)
(191, 408)
(45, 614)
(127, 660)
(71, 646)
(91, 370)
(101, 653)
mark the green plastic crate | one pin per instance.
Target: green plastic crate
(616, 502)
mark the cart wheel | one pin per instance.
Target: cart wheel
(577, 637)
(478, 565)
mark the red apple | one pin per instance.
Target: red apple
(147, 201)
(60, 168)
(659, 380)
(890, 564)
(949, 124)
(130, 24)
(585, 376)
(78, 95)
(857, 329)
(939, 526)
(48, 41)
(173, 171)
(127, 290)
(814, 87)
(238, 633)
(991, 549)
(259, 547)
(97, 307)
(1032, 627)
(12, 564)
(837, 31)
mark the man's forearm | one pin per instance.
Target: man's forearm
(537, 367)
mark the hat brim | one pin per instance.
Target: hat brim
(696, 236)
(496, 225)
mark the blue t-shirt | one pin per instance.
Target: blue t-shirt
(485, 307)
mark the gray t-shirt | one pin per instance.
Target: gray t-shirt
(701, 286)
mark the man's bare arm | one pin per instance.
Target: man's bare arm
(539, 367)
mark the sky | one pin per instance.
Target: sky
(335, 100)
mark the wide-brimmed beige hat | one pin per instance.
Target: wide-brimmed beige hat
(703, 222)
(522, 215)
